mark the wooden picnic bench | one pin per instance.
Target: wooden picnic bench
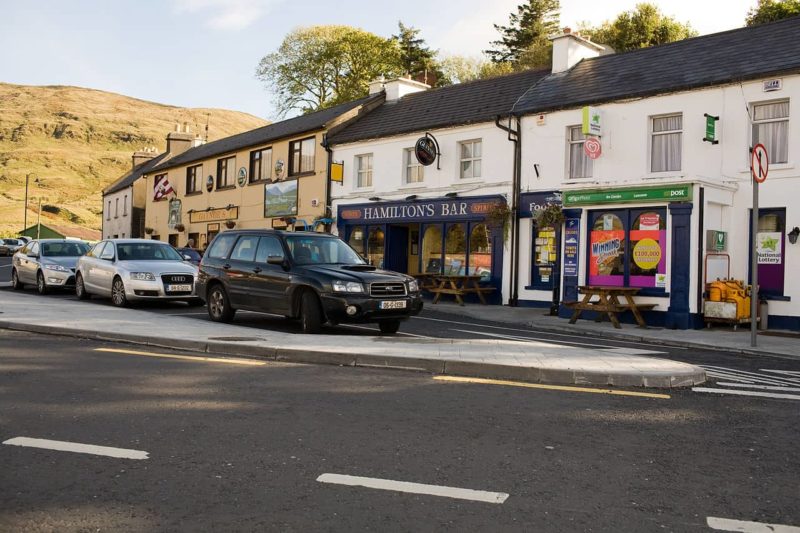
(459, 286)
(608, 303)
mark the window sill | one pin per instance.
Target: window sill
(772, 167)
(226, 188)
(775, 297)
(469, 181)
(418, 185)
(538, 288)
(363, 189)
(195, 193)
(302, 174)
(257, 182)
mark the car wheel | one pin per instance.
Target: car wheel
(219, 307)
(389, 327)
(310, 313)
(80, 289)
(15, 282)
(41, 285)
(118, 297)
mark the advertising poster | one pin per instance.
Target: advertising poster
(769, 248)
(571, 242)
(648, 256)
(606, 255)
(280, 199)
(174, 213)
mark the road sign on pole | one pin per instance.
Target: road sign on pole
(759, 168)
(759, 163)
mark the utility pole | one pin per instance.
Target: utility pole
(25, 209)
(39, 221)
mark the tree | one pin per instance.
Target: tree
(322, 66)
(641, 27)
(772, 10)
(417, 60)
(528, 31)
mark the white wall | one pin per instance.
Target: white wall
(118, 221)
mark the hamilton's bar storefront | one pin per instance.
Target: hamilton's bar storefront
(449, 236)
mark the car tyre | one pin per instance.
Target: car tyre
(310, 313)
(389, 327)
(80, 288)
(118, 297)
(15, 282)
(218, 305)
(41, 284)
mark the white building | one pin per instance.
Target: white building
(676, 123)
(444, 217)
(124, 200)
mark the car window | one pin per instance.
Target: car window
(221, 246)
(25, 249)
(147, 251)
(310, 249)
(194, 254)
(97, 250)
(245, 249)
(268, 246)
(63, 249)
(34, 249)
(108, 252)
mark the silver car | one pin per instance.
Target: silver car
(10, 246)
(47, 263)
(135, 269)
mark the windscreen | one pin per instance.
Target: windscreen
(316, 250)
(147, 251)
(64, 249)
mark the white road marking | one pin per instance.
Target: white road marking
(789, 372)
(375, 330)
(533, 332)
(414, 488)
(727, 524)
(740, 379)
(6, 266)
(747, 393)
(751, 376)
(760, 387)
(603, 347)
(76, 447)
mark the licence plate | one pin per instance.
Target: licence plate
(393, 304)
(178, 288)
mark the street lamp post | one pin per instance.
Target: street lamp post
(39, 220)
(25, 209)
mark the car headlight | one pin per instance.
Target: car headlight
(143, 276)
(347, 286)
(413, 286)
(57, 268)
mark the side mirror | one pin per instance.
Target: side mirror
(277, 260)
(187, 257)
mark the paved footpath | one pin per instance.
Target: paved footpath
(492, 358)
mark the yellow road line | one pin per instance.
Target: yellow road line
(456, 379)
(246, 362)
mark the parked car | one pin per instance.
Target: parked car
(191, 255)
(48, 263)
(315, 277)
(10, 246)
(135, 269)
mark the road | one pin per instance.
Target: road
(233, 446)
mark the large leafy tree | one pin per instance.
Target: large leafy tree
(322, 66)
(526, 34)
(772, 10)
(641, 27)
(418, 61)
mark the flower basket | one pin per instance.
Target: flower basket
(180, 227)
(550, 217)
(230, 224)
(499, 215)
(149, 231)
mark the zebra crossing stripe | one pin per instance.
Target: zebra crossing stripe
(741, 379)
(747, 393)
(750, 376)
(759, 387)
(789, 372)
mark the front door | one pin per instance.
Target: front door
(397, 252)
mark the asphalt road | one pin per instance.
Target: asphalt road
(236, 447)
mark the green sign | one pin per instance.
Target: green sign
(720, 243)
(592, 121)
(677, 193)
(711, 129)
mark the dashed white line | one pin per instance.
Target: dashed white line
(747, 393)
(727, 524)
(414, 488)
(76, 447)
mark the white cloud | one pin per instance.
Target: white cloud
(226, 14)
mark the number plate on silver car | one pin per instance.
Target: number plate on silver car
(178, 288)
(393, 304)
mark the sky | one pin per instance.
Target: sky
(203, 53)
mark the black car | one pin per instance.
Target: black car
(311, 276)
(191, 255)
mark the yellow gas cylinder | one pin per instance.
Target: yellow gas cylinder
(735, 292)
(715, 291)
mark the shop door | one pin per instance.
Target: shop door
(397, 252)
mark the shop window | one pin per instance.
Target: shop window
(301, 156)
(545, 257)
(356, 241)
(471, 159)
(226, 168)
(414, 171)
(260, 165)
(455, 248)
(770, 246)
(580, 164)
(364, 171)
(432, 250)
(771, 128)
(665, 143)
(193, 176)
(480, 252)
(375, 247)
(627, 248)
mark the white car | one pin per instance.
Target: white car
(48, 264)
(135, 269)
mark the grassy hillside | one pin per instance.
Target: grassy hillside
(77, 141)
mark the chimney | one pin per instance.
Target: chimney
(397, 88)
(140, 156)
(570, 48)
(179, 141)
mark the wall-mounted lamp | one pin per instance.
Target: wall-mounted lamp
(794, 234)
(411, 197)
(451, 194)
(375, 199)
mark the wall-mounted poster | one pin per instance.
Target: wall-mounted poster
(174, 213)
(280, 199)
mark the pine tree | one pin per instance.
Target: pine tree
(419, 61)
(529, 27)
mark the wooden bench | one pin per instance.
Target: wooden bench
(459, 286)
(608, 304)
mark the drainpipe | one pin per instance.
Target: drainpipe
(514, 135)
(327, 147)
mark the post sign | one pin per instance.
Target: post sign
(592, 121)
(674, 193)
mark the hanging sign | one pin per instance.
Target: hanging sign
(210, 183)
(425, 150)
(242, 176)
(592, 121)
(711, 129)
(592, 147)
(759, 163)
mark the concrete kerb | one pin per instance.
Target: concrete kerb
(433, 366)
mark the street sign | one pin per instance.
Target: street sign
(592, 147)
(759, 163)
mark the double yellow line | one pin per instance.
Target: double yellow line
(456, 379)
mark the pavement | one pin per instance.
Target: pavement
(530, 361)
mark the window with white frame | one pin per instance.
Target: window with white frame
(665, 143)
(470, 159)
(363, 171)
(580, 164)
(771, 128)
(415, 172)
(125, 206)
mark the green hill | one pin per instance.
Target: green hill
(77, 141)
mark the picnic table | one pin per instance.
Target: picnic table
(458, 286)
(608, 303)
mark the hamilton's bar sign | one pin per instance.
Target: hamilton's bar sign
(223, 213)
(459, 208)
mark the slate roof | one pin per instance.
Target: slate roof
(137, 172)
(460, 104)
(263, 135)
(737, 55)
